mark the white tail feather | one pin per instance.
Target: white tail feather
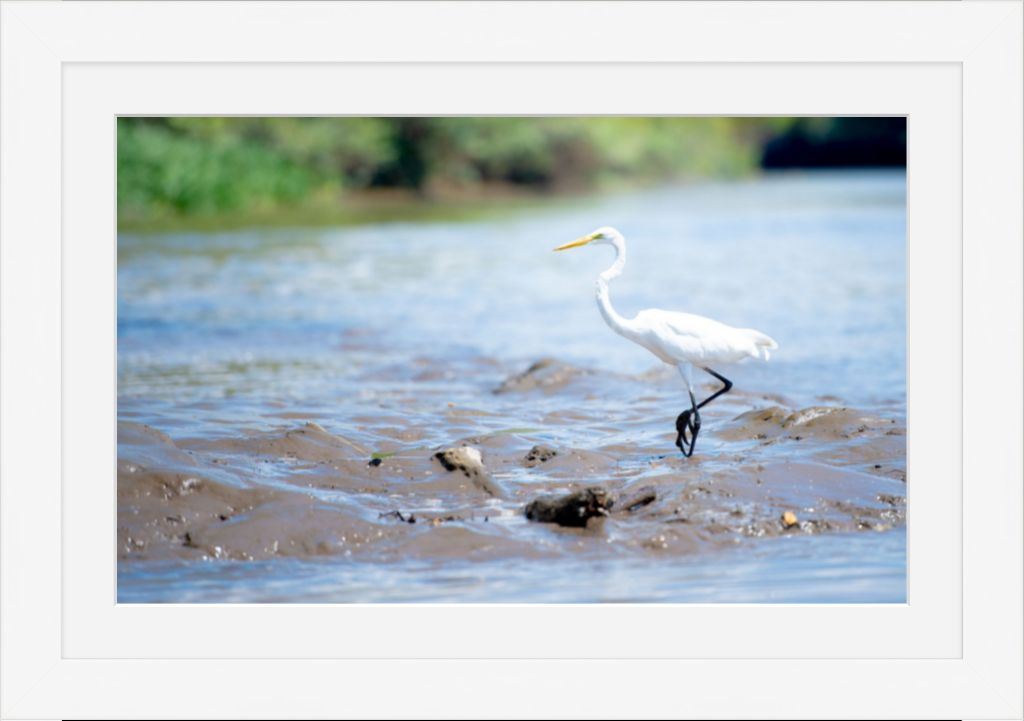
(763, 343)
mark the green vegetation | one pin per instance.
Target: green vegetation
(207, 170)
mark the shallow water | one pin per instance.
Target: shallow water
(865, 568)
(392, 339)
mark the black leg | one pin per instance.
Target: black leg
(689, 420)
(726, 387)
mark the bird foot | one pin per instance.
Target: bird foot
(687, 422)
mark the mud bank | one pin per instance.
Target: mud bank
(314, 489)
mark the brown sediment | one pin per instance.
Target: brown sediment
(308, 442)
(292, 526)
(775, 422)
(301, 490)
(579, 464)
(636, 499)
(164, 495)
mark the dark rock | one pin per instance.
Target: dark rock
(574, 509)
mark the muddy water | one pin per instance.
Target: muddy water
(282, 395)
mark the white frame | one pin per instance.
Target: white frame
(44, 674)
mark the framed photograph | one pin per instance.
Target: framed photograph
(298, 400)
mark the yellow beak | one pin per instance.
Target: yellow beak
(578, 242)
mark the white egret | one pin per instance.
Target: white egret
(682, 340)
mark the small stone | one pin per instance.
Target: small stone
(538, 455)
(789, 519)
(468, 460)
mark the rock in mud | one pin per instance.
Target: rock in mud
(547, 373)
(469, 461)
(789, 519)
(574, 509)
(538, 455)
(466, 459)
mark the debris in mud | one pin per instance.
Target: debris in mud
(539, 454)
(789, 519)
(439, 520)
(398, 516)
(546, 373)
(468, 460)
(574, 509)
(891, 499)
(374, 462)
(638, 499)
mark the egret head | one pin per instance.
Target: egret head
(605, 235)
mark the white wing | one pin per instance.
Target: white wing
(676, 337)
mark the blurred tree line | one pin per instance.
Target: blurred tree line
(206, 165)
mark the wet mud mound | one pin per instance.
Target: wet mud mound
(309, 442)
(163, 493)
(547, 374)
(826, 422)
(834, 435)
(573, 483)
(290, 528)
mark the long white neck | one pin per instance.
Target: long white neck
(615, 321)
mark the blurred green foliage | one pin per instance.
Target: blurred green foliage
(195, 166)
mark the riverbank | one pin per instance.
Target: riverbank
(205, 173)
(365, 207)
